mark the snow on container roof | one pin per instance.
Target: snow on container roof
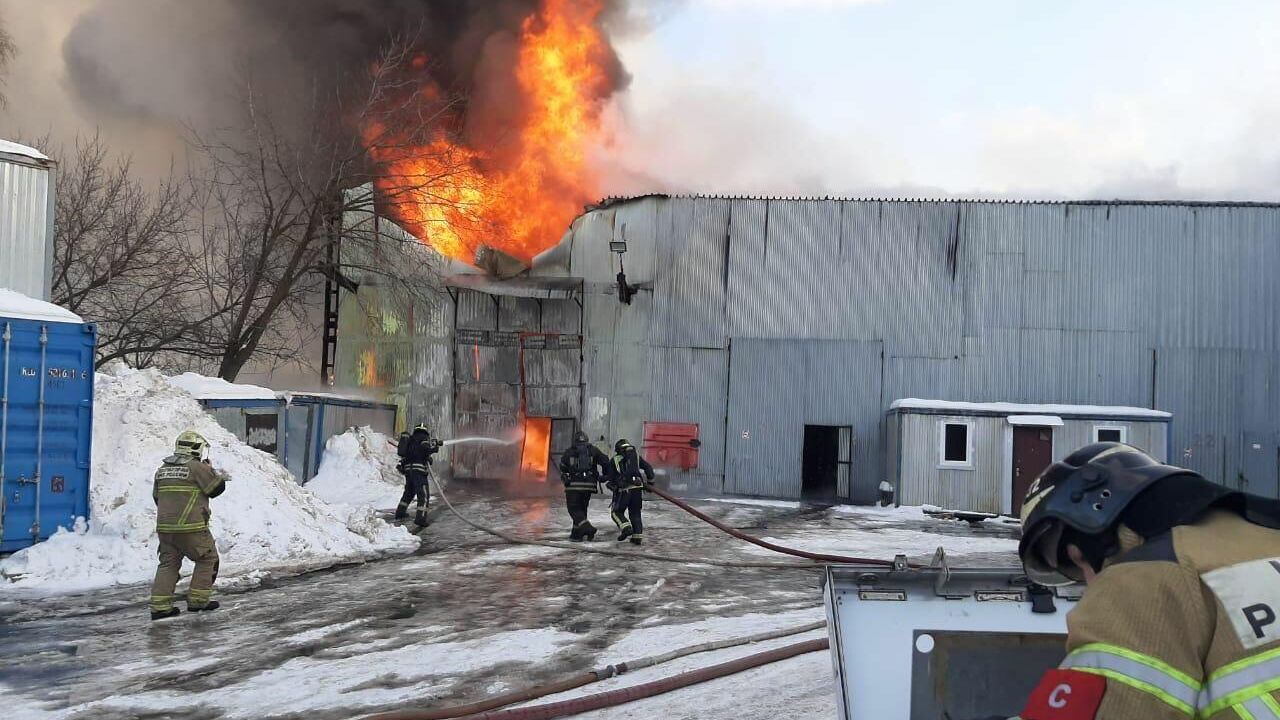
(14, 148)
(14, 304)
(1024, 409)
(211, 388)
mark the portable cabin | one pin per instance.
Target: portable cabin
(293, 426)
(981, 457)
(46, 419)
(312, 418)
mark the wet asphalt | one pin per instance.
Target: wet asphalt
(60, 653)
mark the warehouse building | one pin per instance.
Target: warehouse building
(753, 333)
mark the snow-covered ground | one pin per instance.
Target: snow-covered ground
(465, 617)
(265, 523)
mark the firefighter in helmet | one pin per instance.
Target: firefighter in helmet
(415, 452)
(1181, 616)
(581, 467)
(181, 490)
(629, 477)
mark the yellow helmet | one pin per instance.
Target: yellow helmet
(190, 443)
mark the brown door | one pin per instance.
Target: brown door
(1032, 453)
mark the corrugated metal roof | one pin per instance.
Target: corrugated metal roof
(613, 200)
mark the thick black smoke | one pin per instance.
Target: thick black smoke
(178, 62)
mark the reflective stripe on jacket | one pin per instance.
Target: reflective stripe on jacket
(1185, 625)
(181, 490)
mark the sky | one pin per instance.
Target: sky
(1142, 98)
(926, 98)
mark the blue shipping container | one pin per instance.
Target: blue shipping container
(46, 427)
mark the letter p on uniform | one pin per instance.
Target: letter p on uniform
(1259, 616)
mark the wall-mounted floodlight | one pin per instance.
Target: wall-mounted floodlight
(625, 291)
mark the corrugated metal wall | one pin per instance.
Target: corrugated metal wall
(776, 387)
(26, 227)
(1164, 305)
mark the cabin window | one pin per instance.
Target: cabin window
(955, 444)
(1110, 433)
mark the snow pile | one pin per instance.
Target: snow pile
(264, 521)
(203, 387)
(358, 471)
(14, 304)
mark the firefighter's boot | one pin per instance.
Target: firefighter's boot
(211, 605)
(590, 532)
(626, 533)
(636, 539)
(420, 519)
(165, 614)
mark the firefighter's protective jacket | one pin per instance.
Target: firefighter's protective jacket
(582, 466)
(417, 457)
(629, 471)
(181, 489)
(1183, 625)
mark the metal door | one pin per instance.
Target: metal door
(1032, 453)
(1261, 465)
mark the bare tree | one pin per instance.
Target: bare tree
(121, 256)
(7, 50)
(273, 199)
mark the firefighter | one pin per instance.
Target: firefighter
(181, 490)
(629, 477)
(415, 462)
(581, 467)
(1181, 616)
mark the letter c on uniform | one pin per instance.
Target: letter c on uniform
(1058, 698)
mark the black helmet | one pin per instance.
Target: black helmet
(1079, 501)
(421, 428)
(622, 446)
(580, 437)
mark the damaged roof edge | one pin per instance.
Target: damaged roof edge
(547, 288)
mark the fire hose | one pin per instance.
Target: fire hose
(816, 557)
(650, 689)
(516, 539)
(576, 681)
(821, 557)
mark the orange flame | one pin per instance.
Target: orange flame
(536, 451)
(457, 198)
(367, 369)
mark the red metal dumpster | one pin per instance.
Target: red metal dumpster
(671, 444)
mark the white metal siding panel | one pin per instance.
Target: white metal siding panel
(24, 229)
(924, 483)
(776, 387)
(689, 385)
(689, 287)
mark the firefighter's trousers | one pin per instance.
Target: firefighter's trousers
(626, 509)
(198, 547)
(415, 488)
(578, 501)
